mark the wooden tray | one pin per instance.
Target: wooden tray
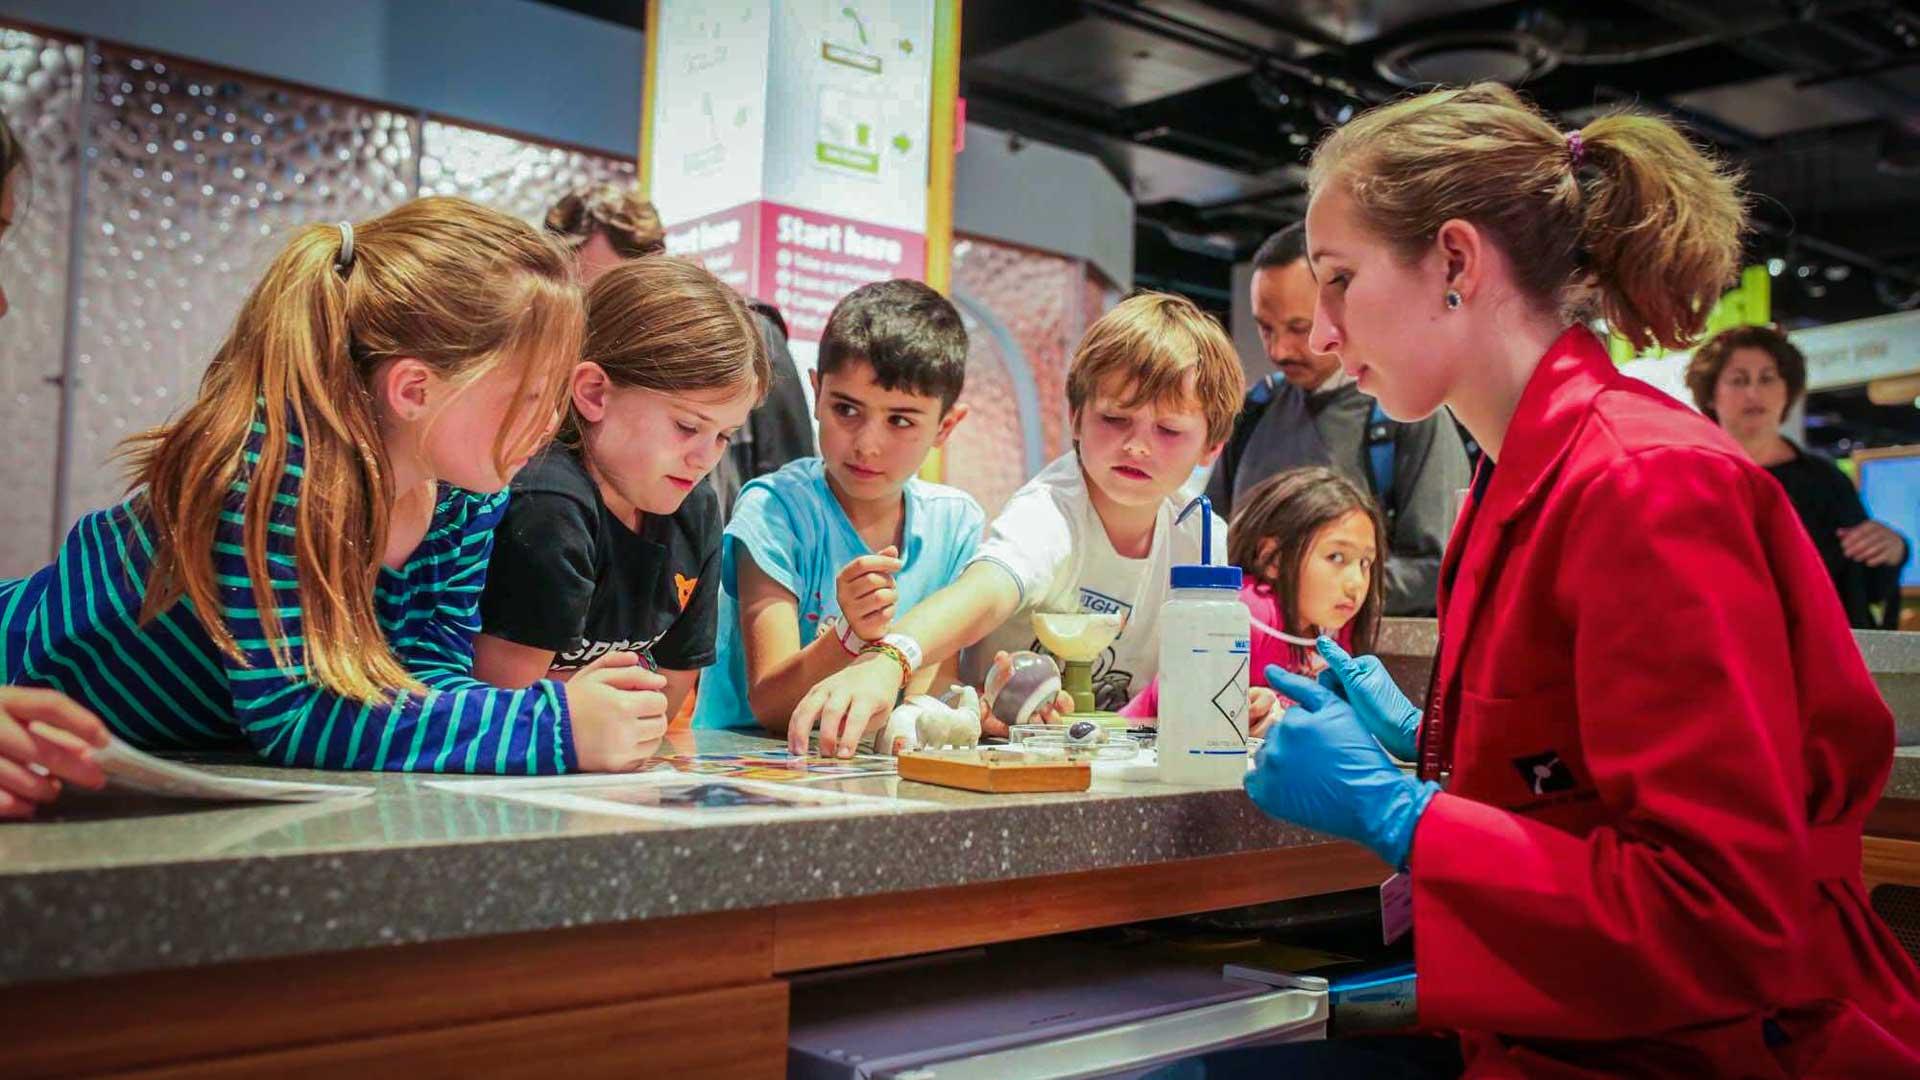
(995, 775)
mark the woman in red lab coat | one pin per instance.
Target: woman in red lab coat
(1658, 739)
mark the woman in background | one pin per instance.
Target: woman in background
(1748, 379)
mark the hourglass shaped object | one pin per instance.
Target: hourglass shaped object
(1078, 638)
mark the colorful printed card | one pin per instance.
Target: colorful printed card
(783, 767)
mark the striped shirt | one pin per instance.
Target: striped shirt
(74, 627)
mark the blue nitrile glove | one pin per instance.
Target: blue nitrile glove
(1363, 683)
(1320, 768)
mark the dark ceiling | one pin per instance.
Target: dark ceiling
(1205, 109)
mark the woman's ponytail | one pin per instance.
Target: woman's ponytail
(1624, 218)
(1661, 224)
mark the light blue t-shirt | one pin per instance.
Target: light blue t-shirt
(795, 531)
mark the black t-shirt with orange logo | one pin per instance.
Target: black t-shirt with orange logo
(567, 575)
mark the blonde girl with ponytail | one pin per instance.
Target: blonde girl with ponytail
(1659, 740)
(298, 564)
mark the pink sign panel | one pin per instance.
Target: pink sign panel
(809, 260)
(800, 261)
(725, 242)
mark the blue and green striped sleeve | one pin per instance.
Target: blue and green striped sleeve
(456, 725)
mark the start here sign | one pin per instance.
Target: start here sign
(840, 237)
(801, 261)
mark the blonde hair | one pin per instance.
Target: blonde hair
(1152, 342)
(1630, 221)
(628, 221)
(667, 325)
(453, 284)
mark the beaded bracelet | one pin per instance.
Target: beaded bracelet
(893, 652)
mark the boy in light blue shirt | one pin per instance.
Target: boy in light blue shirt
(822, 556)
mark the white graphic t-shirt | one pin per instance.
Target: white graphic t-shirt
(1050, 541)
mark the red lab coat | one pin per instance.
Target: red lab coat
(1662, 743)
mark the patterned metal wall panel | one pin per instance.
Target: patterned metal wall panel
(989, 453)
(40, 80)
(194, 180)
(1028, 311)
(520, 177)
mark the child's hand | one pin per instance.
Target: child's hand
(619, 713)
(866, 592)
(1051, 712)
(845, 705)
(1260, 710)
(44, 729)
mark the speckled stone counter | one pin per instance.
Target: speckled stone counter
(110, 884)
(1904, 783)
(1407, 647)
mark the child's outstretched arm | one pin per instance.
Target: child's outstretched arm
(844, 705)
(292, 721)
(779, 670)
(457, 725)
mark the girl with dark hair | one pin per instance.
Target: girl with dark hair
(1311, 543)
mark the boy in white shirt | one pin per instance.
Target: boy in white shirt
(1153, 392)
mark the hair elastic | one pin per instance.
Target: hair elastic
(1576, 148)
(344, 261)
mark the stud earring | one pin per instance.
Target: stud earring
(1453, 300)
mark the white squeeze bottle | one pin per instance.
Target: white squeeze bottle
(1204, 636)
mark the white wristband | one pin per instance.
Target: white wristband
(843, 633)
(908, 647)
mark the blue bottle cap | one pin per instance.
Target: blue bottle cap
(1204, 574)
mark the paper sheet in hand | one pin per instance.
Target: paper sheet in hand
(128, 769)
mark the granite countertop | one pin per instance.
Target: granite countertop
(1905, 781)
(111, 883)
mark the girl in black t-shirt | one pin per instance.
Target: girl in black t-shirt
(611, 539)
